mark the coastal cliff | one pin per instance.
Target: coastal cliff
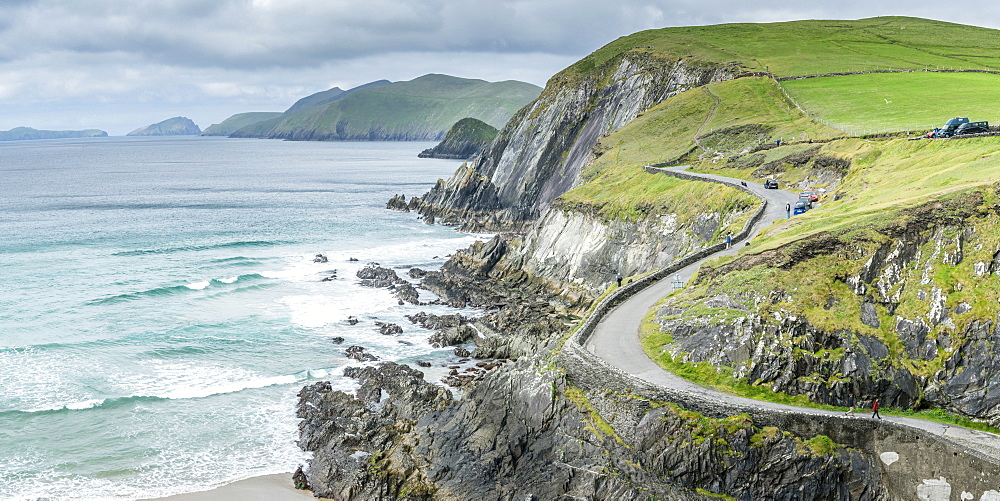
(890, 297)
(525, 432)
(540, 153)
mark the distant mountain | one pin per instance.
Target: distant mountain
(238, 121)
(27, 133)
(329, 96)
(422, 109)
(464, 140)
(177, 126)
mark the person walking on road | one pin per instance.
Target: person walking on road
(788, 210)
(729, 240)
(850, 404)
(619, 278)
(875, 409)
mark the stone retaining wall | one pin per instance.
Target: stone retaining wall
(626, 291)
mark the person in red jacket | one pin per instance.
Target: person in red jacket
(875, 409)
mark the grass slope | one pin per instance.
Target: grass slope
(716, 116)
(818, 47)
(883, 102)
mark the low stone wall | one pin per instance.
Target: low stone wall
(915, 464)
(626, 291)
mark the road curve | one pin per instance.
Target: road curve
(615, 338)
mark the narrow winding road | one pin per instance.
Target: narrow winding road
(616, 339)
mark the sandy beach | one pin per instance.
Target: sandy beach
(265, 488)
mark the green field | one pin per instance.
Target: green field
(883, 102)
(818, 47)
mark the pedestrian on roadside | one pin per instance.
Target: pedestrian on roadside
(788, 210)
(875, 409)
(619, 278)
(850, 403)
(729, 240)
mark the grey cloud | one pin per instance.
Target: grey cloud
(224, 56)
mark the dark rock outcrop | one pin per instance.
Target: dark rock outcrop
(388, 329)
(360, 354)
(524, 433)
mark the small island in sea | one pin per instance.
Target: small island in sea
(464, 140)
(27, 133)
(177, 126)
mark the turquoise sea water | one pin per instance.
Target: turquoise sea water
(160, 309)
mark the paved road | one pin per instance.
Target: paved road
(616, 339)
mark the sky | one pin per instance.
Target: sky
(117, 65)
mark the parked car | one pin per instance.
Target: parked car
(813, 197)
(800, 207)
(973, 128)
(770, 184)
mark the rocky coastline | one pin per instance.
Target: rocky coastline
(526, 430)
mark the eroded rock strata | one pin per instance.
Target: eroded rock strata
(525, 432)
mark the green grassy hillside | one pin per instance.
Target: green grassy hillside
(239, 121)
(882, 102)
(724, 118)
(937, 198)
(855, 104)
(819, 47)
(423, 108)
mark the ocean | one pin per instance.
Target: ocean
(160, 307)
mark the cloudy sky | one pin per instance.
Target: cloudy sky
(120, 64)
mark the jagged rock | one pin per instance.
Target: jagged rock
(433, 322)
(406, 293)
(450, 336)
(422, 363)
(373, 275)
(869, 316)
(417, 272)
(462, 352)
(352, 320)
(387, 329)
(358, 353)
(353, 259)
(337, 340)
(299, 479)
(516, 435)
(320, 258)
(398, 203)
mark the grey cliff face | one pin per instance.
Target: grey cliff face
(541, 151)
(525, 433)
